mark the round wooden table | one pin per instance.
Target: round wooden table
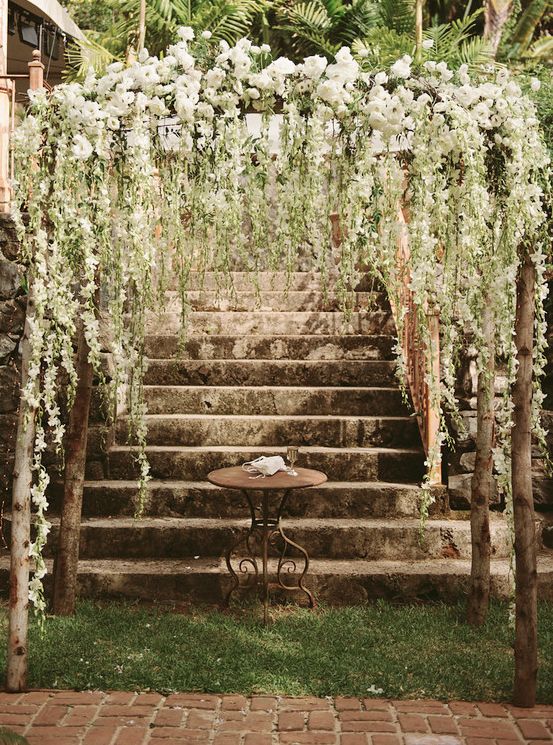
(265, 524)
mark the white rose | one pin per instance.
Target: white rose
(313, 67)
(81, 147)
(402, 68)
(381, 78)
(282, 66)
(206, 34)
(535, 84)
(428, 44)
(186, 33)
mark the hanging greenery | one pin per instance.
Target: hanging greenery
(156, 169)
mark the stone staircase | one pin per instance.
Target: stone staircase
(260, 372)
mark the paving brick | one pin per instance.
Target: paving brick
(321, 720)
(462, 708)
(79, 698)
(290, 720)
(100, 736)
(412, 723)
(192, 700)
(50, 714)
(308, 738)
(120, 697)
(33, 697)
(15, 719)
(421, 739)
(533, 730)
(421, 707)
(443, 725)
(200, 719)
(375, 704)
(493, 710)
(56, 739)
(80, 715)
(134, 712)
(354, 738)
(263, 703)
(308, 703)
(488, 728)
(132, 736)
(256, 738)
(368, 726)
(225, 738)
(258, 721)
(181, 734)
(13, 698)
(169, 717)
(386, 740)
(148, 699)
(367, 716)
(233, 702)
(345, 704)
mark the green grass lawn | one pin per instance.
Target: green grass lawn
(407, 651)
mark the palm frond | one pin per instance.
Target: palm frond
(83, 54)
(384, 46)
(397, 15)
(526, 26)
(541, 49)
(7, 737)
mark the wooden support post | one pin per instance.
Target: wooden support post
(418, 28)
(17, 658)
(5, 94)
(17, 662)
(67, 558)
(432, 413)
(482, 480)
(526, 643)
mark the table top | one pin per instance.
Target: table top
(236, 478)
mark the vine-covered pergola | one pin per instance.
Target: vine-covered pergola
(426, 179)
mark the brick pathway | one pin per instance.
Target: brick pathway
(95, 718)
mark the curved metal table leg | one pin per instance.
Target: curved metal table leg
(283, 562)
(248, 560)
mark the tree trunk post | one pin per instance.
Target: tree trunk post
(17, 662)
(142, 26)
(67, 558)
(526, 645)
(418, 28)
(18, 614)
(482, 480)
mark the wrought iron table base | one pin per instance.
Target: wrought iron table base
(270, 531)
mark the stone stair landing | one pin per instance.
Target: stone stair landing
(258, 372)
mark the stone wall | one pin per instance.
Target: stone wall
(12, 318)
(461, 460)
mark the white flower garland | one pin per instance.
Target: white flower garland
(152, 170)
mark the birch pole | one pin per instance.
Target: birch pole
(17, 656)
(482, 480)
(17, 662)
(67, 558)
(526, 578)
(142, 26)
(5, 91)
(418, 27)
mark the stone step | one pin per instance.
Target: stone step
(235, 429)
(333, 582)
(202, 499)
(398, 465)
(357, 538)
(271, 372)
(280, 400)
(266, 300)
(264, 280)
(239, 347)
(274, 322)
